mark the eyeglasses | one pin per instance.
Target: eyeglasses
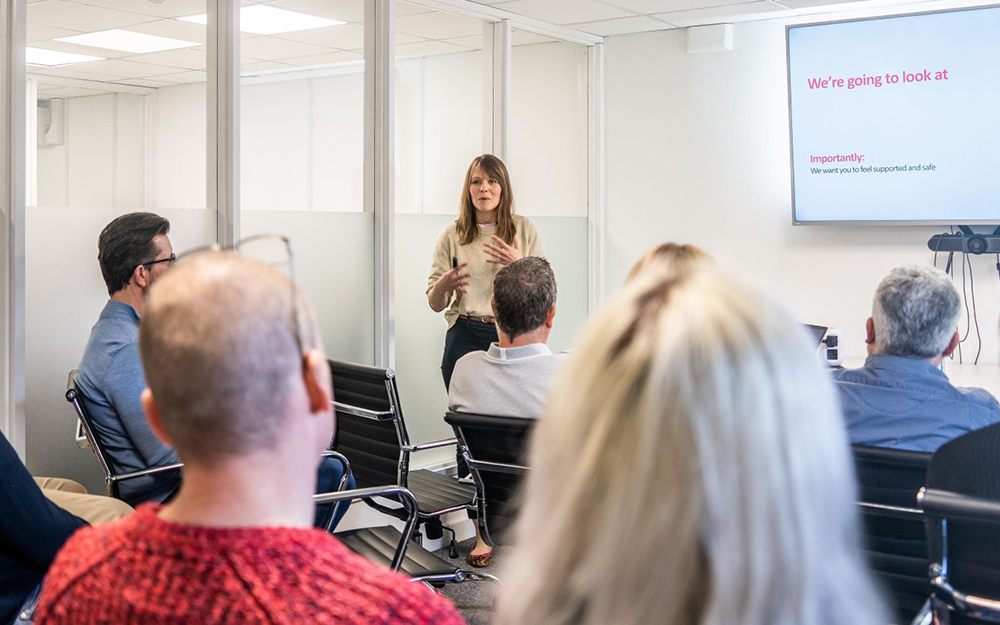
(274, 250)
(170, 259)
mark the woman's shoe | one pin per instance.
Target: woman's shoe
(480, 560)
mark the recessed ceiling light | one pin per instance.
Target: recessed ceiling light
(127, 41)
(260, 19)
(55, 58)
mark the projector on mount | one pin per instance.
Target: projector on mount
(966, 241)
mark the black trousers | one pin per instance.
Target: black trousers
(464, 337)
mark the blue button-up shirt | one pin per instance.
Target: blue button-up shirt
(906, 403)
(111, 382)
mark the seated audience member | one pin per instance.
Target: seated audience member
(691, 467)
(513, 376)
(134, 252)
(901, 398)
(669, 257)
(33, 528)
(249, 414)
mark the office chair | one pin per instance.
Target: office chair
(111, 477)
(387, 546)
(896, 546)
(495, 448)
(372, 434)
(963, 534)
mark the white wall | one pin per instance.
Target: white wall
(179, 147)
(549, 129)
(101, 160)
(698, 152)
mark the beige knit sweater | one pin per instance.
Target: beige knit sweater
(477, 301)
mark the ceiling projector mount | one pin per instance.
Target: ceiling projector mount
(966, 241)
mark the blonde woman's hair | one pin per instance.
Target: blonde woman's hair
(691, 468)
(466, 224)
(669, 257)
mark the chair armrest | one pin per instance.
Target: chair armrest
(405, 497)
(145, 472)
(344, 462)
(896, 512)
(431, 445)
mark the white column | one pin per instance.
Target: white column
(496, 80)
(12, 193)
(380, 144)
(224, 117)
(595, 179)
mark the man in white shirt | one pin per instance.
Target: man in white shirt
(513, 376)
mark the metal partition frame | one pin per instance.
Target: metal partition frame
(13, 26)
(223, 117)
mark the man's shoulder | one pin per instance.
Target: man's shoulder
(85, 550)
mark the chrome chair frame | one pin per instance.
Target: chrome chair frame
(939, 507)
(111, 479)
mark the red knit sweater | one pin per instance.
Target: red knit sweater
(145, 570)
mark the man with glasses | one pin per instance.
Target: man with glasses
(134, 252)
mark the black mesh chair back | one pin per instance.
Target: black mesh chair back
(963, 537)
(496, 451)
(889, 481)
(370, 431)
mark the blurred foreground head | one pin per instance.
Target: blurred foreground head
(668, 258)
(692, 468)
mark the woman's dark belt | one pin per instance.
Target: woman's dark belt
(490, 320)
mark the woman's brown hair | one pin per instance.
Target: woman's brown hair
(468, 229)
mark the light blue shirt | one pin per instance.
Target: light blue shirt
(906, 403)
(504, 381)
(111, 382)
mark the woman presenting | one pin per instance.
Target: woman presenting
(486, 236)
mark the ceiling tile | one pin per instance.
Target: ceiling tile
(473, 43)
(716, 15)
(63, 46)
(650, 7)
(72, 92)
(262, 66)
(802, 4)
(187, 58)
(70, 72)
(406, 8)
(622, 26)
(175, 29)
(344, 37)
(81, 17)
(42, 33)
(325, 59)
(524, 38)
(148, 82)
(426, 48)
(161, 8)
(182, 77)
(346, 10)
(274, 49)
(439, 25)
(122, 69)
(565, 11)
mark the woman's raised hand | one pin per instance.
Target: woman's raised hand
(500, 253)
(454, 280)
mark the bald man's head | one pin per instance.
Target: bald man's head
(220, 355)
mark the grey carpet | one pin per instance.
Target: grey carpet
(472, 598)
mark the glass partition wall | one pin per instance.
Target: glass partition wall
(128, 111)
(302, 94)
